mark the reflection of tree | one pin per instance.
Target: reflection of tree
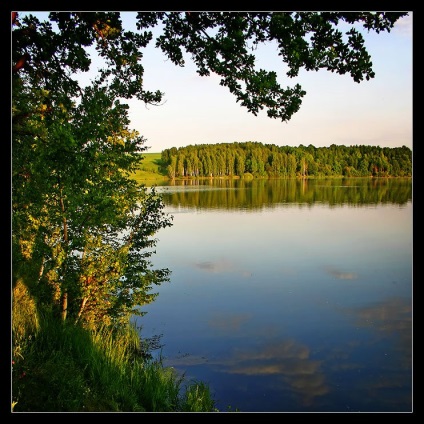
(149, 344)
(257, 194)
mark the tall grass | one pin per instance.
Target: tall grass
(58, 367)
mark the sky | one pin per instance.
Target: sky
(335, 109)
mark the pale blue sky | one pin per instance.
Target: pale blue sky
(335, 110)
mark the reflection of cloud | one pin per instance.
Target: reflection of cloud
(220, 266)
(342, 275)
(185, 361)
(390, 323)
(387, 319)
(213, 266)
(289, 360)
(284, 350)
(311, 386)
(393, 317)
(228, 323)
(288, 271)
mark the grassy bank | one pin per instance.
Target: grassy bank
(152, 170)
(59, 367)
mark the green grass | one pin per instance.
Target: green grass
(60, 367)
(151, 169)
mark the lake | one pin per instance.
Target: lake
(288, 295)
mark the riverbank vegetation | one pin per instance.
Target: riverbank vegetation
(60, 367)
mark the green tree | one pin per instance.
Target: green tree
(82, 229)
(180, 164)
(171, 168)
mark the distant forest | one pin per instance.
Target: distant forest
(272, 161)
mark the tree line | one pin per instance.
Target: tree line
(272, 161)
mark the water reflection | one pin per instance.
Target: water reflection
(339, 275)
(290, 296)
(257, 194)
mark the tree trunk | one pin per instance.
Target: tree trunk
(84, 301)
(64, 305)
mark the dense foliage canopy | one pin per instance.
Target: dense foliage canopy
(268, 160)
(83, 231)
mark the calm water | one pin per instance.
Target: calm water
(289, 296)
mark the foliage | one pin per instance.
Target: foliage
(269, 160)
(82, 224)
(198, 398)
(218, 42)
(221, 42)
(25, 319)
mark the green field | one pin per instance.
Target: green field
(151, 169)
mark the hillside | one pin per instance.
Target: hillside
(151, 169)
